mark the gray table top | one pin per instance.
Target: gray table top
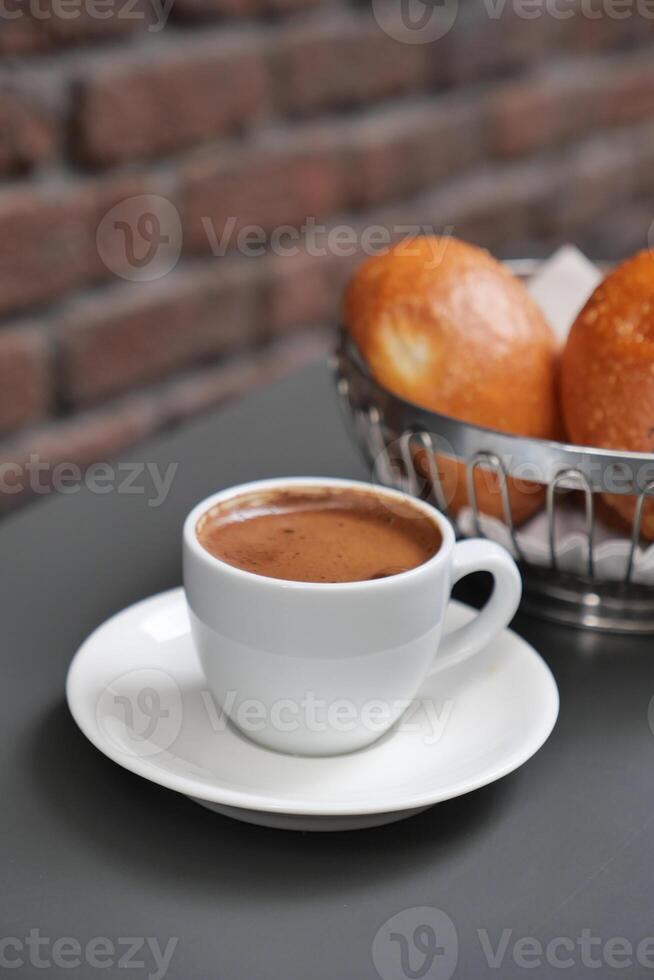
(559, 854)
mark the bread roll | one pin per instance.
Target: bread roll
(607, 372)
(444, 325)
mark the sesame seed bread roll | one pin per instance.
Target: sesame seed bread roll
(607, 372)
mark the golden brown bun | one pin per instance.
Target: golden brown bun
(525, 497)
(607, 371)
(444, 325)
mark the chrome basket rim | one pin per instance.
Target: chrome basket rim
(462, 436)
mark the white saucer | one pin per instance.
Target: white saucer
(136, 690)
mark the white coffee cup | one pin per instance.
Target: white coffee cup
(316, 668)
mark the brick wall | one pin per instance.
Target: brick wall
(515, 131)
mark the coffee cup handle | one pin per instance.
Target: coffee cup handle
(478, 555)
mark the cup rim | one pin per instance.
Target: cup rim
(265, 581)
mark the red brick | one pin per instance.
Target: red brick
(528, 115)
(101, 434)
(318, 170)
(481, 46)
(300, 291)
(44, 244)
(551, 199)
(291, 353)
(269, 185)
(489, 207)
(97, 435)
(21, 36)
(287, 6)
(642, 162)
(88, 438)
(212, 9)
(132, 335)
(621, 232)
(596, 33)
(48, 238)
(200, 390)
(532, 113)
(343, 61)
(27, 34)
(628, 94)
(205, 388)
(28, 132)
(25, 385)
(598, 174)
(134, 106)
(402, 150)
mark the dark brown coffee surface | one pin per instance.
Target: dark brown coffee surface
(326, 535)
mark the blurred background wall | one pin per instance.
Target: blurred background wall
(170, 170)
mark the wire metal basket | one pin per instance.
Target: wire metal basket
(389, 430)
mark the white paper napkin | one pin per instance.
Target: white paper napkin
(562, 286)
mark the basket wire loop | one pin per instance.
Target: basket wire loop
(571, 476)
(347, 409)
(358, 424)
(435, 481)
(376, 447)
(412, 483)
(343, 389)
(490, 461)
(635, 530)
